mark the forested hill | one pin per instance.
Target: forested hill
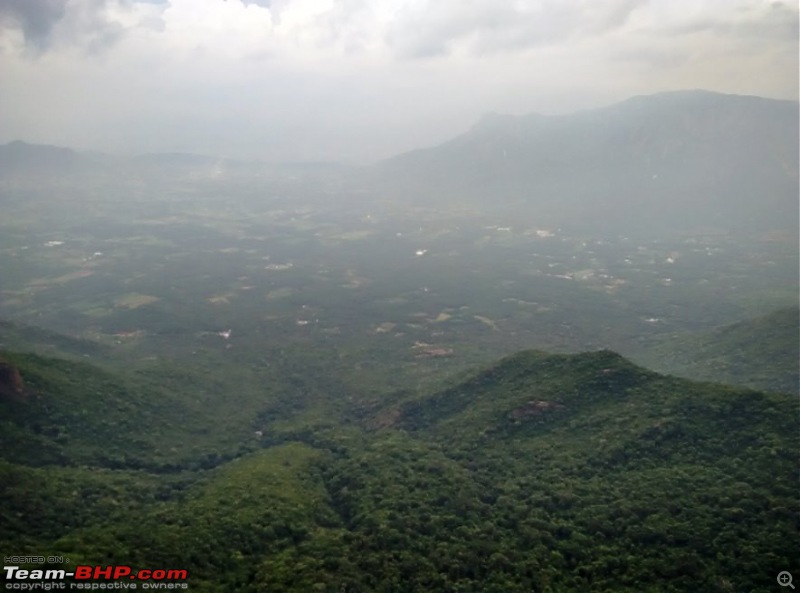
(539, 473)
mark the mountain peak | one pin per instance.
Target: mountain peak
(562, 381)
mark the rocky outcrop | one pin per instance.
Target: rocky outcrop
(11, 384)
(533, 408)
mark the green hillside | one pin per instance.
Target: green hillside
(761, 353)
(75, 413)
(539, 473)
(159, 413)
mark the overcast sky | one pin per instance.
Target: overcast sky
(358, 80)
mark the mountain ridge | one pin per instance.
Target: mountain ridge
(22, 157)
(680, 159)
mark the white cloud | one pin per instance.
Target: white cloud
(358, 79)
(436, 28)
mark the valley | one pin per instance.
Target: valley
(299, 378)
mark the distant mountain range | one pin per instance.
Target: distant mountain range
(680, 160)
(39, 164)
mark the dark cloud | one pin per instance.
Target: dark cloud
(36, 18)
(87, 24)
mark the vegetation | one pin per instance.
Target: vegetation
(541, 472)
(760, 353)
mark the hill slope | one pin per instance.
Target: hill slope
(540, 473)
(674, 160)
(762, 353)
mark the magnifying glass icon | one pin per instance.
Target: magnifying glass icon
(785, 579)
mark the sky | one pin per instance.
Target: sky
(359, 80)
